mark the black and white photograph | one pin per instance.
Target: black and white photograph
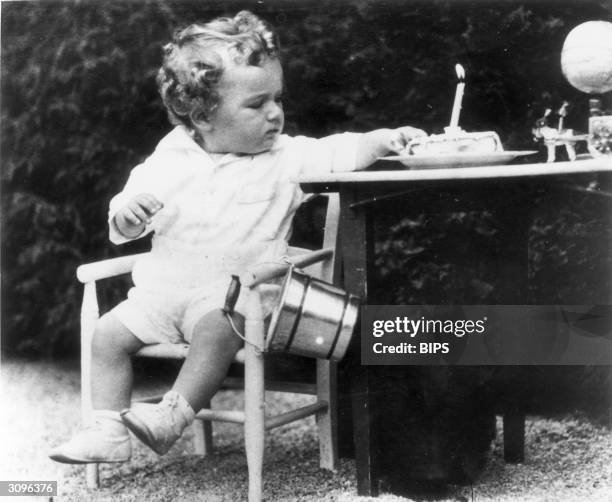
(396, 283)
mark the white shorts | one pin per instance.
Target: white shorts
(177, 284)
(170, 316)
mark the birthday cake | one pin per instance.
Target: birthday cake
(454, 142)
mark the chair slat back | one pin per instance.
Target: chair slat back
(324, 270)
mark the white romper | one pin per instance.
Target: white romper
(221, 214)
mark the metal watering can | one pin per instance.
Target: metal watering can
(312, 318)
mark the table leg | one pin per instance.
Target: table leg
(356, 242)
(515, 222)
(364, 433)
(514, 436)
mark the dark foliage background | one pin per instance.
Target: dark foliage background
(80, 108)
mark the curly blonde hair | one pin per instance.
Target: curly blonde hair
(192, 66)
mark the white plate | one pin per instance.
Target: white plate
(458, 159)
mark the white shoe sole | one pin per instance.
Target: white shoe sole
(67, 459)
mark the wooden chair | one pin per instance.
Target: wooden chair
(318, 263)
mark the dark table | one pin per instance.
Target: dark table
(510, 190)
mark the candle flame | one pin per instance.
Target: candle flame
(460, 71)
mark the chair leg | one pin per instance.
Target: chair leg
(92, 475)
(327, 422)
(89, 316)
(202, 435)
(254, 404)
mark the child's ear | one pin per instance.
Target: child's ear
(200, 120)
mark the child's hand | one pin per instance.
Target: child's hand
(378, 143)
(132, 218)
(400, 138)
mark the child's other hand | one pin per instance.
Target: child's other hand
(399, 138)
(137, 213)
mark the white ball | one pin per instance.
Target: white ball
(586, 57)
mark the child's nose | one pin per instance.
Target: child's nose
(274, 111)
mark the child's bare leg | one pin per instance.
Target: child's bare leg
(111, 365)
(213, 347)
(106, 438)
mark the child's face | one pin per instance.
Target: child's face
(250, 115)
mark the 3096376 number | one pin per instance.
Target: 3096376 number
(28, 488)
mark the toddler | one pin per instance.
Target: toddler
(219, 194)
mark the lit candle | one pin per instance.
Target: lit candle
(454, 122)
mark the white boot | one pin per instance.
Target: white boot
(159, 425)
(105, 440)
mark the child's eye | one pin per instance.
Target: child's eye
(256, 104)
(278, 99)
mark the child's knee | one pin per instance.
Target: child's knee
(111, 335)
(215, 328)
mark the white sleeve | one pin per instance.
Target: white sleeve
(335, 153)
(144, 178)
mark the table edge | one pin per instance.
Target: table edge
(602, 164)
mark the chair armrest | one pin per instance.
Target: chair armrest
(164, 351)
(265, 272)
(107, 268)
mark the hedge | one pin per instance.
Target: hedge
(79, 109)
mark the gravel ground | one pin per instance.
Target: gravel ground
(568, 458)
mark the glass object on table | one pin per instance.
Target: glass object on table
(600, 130)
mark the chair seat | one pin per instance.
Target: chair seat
(175, 351)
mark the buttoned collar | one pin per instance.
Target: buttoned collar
(180, 138)
(221, 160)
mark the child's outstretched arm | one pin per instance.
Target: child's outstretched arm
(381, 142)
(132, 218)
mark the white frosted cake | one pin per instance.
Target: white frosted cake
(455, 142)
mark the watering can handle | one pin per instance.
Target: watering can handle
(231, 297)
(233, 291)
